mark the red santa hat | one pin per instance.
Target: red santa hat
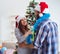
(42, 8)
(18, 18)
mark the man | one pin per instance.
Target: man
(47, 31)
(41, 15)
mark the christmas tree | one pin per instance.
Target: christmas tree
(31, 19)
(30, 13)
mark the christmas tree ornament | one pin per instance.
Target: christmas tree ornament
(30, 10)
(3, 50)
(31, 20)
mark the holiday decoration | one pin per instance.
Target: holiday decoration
(30, 13)
(31, 20)
(3, 50)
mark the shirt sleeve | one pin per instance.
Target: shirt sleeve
(19, 36)
(43, 31)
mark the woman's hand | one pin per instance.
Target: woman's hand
(27, 33)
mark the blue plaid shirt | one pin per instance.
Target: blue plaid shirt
(46, 38)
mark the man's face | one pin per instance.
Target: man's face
(36, 12)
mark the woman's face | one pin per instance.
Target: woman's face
(24, 21)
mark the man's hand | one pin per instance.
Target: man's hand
(22, 45)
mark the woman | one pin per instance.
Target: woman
(21, 33)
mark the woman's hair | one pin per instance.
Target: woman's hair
(22, 28)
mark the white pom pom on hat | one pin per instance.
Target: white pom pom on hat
(45, 11)
(40, 14)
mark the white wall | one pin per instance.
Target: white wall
(18, 7)
(9, 8)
